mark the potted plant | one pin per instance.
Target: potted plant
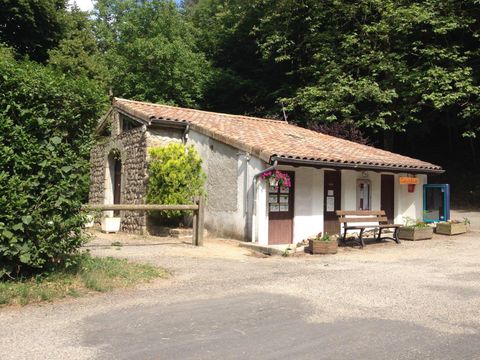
(89, 221)
(453, 227)
(415, 230)
(111, 224)
(323, 244)
(277, 178)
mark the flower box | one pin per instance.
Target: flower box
(450, 228)
(323, 247)
(111, 224)
(415, 233)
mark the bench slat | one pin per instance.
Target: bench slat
(360, 212)
(371, 219)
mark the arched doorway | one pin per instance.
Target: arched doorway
(113, 188)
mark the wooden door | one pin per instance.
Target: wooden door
(117, 184)
(387, 196)
(280, 213)
(332, 190)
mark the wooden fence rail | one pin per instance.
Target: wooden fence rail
(197, 208)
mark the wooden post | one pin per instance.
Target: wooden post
(200, 220)
(195, 225)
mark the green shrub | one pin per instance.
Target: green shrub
(175, 176)
(46, 123)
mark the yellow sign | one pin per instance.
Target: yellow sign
(405, 180)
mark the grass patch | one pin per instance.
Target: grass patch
(88, 275)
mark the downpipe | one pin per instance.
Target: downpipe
(254, 214)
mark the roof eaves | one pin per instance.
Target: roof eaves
(103, 120)
(357, 165)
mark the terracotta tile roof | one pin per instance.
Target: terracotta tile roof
(274, 139)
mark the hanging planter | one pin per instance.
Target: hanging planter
(277, 178)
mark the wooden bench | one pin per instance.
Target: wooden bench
(367, 219)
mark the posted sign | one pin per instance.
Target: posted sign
(406, 180)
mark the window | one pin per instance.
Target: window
(128, 123)
(364, 189)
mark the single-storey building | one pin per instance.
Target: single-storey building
(325, 173)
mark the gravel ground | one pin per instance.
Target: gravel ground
(417, 300)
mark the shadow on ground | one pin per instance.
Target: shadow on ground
(262, 326)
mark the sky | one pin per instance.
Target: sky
(85, 5)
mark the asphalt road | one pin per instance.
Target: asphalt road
(263, 326)
(417, 300)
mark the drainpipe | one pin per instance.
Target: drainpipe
(185, 134)
(254, 215)
(245, 187)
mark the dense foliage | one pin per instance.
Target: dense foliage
(31, 27)
(46, 122)
(78, 53)
(151, 52)
(175, 176)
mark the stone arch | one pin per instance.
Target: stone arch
(114, 178)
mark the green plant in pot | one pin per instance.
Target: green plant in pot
(323, 244)
(415, 230)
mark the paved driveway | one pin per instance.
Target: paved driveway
(417, 300)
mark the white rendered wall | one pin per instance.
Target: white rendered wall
(408, 204)
(260, 217)
(308, 216)
(226, 219)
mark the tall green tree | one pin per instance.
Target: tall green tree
(78, 53)
(244, 81)
(382, 64)
(151, 51)
(32, 27)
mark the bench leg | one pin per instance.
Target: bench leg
(362, 243)
(395, 236)
(344, 235)
(379, 237)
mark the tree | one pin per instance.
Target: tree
(383, 64)
(32, 27)
(151, 51)
(77, 53)
(46, 125)
(243, 82)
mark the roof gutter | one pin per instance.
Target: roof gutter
(329, 164)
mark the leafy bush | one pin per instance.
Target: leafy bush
(414, 223)
(175, 176)
(46, 122)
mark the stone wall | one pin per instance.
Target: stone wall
(132, 146)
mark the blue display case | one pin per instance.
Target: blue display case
(436, 202)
